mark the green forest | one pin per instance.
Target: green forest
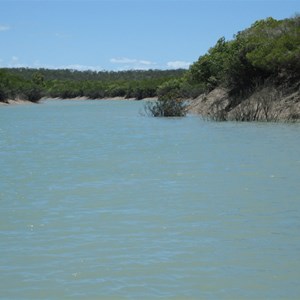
(33, 84)
(266, 54)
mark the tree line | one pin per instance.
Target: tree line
(33, 84)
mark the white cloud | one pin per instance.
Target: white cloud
(80, 67)
(122, 60)
(16, 63)
(77, 67)
(4, 28)
(132, 64)
(178, 64)
(146, 62)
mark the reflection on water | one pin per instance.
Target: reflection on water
(98, 201)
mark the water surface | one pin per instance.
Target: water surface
(100, 202)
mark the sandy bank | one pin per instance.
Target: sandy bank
(15, 102)
(106, 98)
(22, 101)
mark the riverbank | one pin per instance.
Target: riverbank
(271, 103)
(262, 105)
(22, 101)
(86, 98)
(99, 99)
(15, 102)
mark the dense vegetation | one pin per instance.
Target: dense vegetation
(266, 54)
(32, 84)
(269, 48)
(13, 86)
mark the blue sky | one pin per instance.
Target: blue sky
(123, 34)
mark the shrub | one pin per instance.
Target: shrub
(32, 94)
(166, 108)
(3, 94)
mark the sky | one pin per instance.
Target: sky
(119, 35)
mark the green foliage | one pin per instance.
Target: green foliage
(180, 89)
(225, 64)
(166, 108)
(170, 101)
(170, 90)
(3, 86)
(275, 45)
(268, 49)
(91, 76)
(3, 93)
(211, 67)
(38, 78)
(32, 93)
(31, 83)
(11, 86)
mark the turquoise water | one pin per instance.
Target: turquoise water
(99, 202)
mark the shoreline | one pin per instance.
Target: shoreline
(285, 109)
(15, 102)
(99, 99)
(22, 101)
